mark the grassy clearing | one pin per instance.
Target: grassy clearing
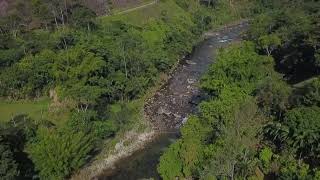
(35, 109)
(130, 6)
(144, 15)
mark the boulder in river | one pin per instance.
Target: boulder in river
(191, 81)
(184, 120)
(162, 110)
(190, 62)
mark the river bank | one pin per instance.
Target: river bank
(166, 111)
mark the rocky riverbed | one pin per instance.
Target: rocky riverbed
(170, 107)
(167, 111)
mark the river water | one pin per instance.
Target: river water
(170, 107)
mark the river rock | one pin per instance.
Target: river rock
(184, 120)
(191, 81)
(190, 62)
(118, 146)
(177, 116)
(162, 110)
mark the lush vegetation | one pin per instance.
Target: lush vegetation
(261, 119)
(70, 80)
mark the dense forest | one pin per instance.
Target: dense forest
(83, 71)
(82, 75)
(261, 119)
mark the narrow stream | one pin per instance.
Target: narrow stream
(170, 107)
(143, 164)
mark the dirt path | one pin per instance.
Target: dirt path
(136, 8)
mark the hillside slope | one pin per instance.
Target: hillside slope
(100, 7)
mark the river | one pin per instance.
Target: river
(172, 104)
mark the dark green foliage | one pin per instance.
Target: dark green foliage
(308, 94)
(8, 166)
(104, 129)
(56, 153)
(58, 46)
(30, 76)
(116, 60)
(82, 17)
(293, 132)
(273, 97)
(257, 126)
(81, 121)
(171, 165)
(25, 15)
(219, 143)
(14, 136)
(89, 122)
(87, 66)
(290, 35)
(299, 130)
(10, 50)
(292, 169)
(284, 166)
(38, 40)
(304, 130)
(241, 66)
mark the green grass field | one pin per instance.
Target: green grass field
(144, 15)
(129, 6)
(35, 109)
